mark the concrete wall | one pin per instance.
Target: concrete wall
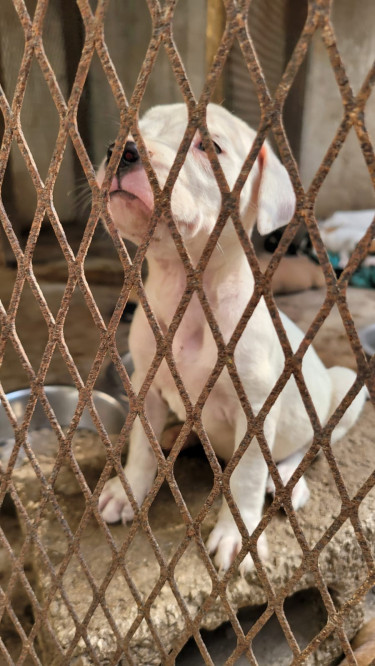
(348, 186)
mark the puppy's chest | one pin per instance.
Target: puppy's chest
(189, 343)
(192, 342)
(194, 354)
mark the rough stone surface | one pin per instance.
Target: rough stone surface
(341, 561)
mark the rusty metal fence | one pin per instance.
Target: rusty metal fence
(236, 28)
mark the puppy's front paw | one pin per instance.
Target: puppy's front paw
(114, 504)
(225, 541)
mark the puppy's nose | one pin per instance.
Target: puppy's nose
(129, 156)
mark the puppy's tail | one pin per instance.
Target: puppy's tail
(342, 379)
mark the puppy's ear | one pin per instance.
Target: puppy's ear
(276, 199)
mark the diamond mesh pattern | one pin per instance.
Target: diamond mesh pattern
(236, 28)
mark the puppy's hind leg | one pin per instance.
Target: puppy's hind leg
(300, 492)
(342, 379)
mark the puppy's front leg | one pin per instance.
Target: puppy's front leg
(248, 485)
(141, 465)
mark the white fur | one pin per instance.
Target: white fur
(228, 283)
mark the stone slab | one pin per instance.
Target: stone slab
(341, 561)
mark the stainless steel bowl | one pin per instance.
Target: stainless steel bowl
(63, 400)
(367, 337)
(113, 378)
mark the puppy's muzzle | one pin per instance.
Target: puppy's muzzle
(130, 181)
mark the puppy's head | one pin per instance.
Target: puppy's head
(267, 195)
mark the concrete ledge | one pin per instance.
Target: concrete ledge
(341, 562)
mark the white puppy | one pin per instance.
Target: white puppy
(268, 199)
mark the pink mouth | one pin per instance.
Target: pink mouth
(135, 183)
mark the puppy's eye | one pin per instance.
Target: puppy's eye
(201, 147)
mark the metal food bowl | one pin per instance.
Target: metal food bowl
(367, 337)
(113, 378)
(63, 400)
